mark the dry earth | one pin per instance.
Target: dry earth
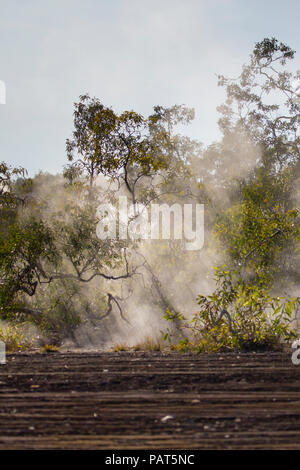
(149, 400)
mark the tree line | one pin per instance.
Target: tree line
(248, 181)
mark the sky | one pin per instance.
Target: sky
(131, 54)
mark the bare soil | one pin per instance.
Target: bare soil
(149, 400)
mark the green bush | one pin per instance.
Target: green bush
(237, 316)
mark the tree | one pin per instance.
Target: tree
(42, 246)
(257, 222)
(140, 153)
(274, 126)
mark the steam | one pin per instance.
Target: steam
(169, 276)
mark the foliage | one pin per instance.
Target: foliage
(128, 148)
(236, 316)
(56, 272)
(21, 249)
(254, 170)
(15, 338)
(260, 232)
(148, 344)
(264, 102)
(59, 304)
(48, 253)
(49, 348)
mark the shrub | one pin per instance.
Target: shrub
(237, 316)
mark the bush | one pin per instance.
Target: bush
(237, 316)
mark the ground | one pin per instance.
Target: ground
(149, 400)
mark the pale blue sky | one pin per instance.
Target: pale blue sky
(131, 54)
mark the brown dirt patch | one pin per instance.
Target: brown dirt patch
(119, 401)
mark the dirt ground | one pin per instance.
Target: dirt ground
(149, 400)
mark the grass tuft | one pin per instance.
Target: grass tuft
(14, 338)
(49, 348)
